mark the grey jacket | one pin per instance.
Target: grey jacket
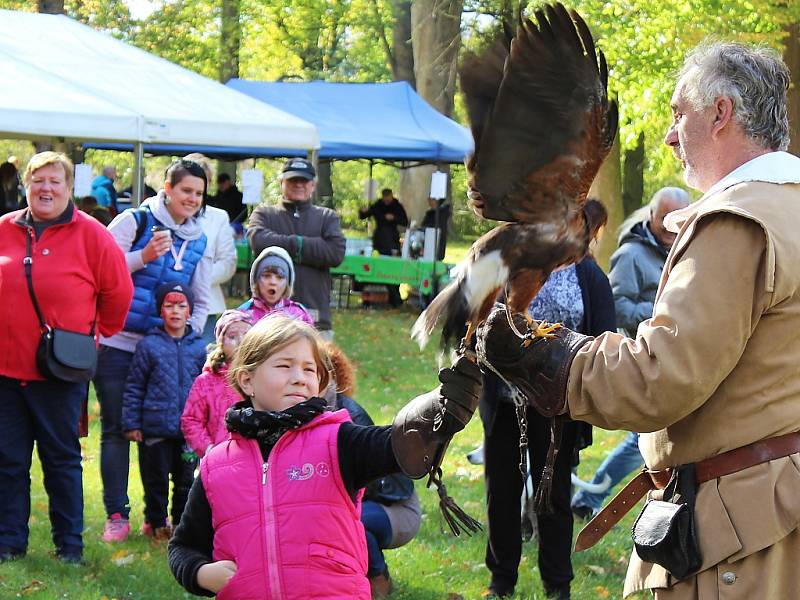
(635, 271)
(312, 235)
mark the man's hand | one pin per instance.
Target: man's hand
(540, 370)
(214, 576)
(389, 217)
(134, 435)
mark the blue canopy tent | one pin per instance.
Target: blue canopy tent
(377, 121)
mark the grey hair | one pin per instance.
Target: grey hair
(755, 79)
(646, 212)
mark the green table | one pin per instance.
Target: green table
(391, 270)
(394, 270)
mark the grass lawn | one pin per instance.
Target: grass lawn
(391, 370)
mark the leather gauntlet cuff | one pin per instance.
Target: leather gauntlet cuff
(540, 370)
(423, 428)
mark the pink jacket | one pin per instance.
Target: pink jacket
(290, 525)
(203, 420)
(259, 309)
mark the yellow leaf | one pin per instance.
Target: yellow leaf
(602, 591)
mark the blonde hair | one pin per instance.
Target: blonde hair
(216, 356)
(43, 159)
(270, 335)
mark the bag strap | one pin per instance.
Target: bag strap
(28, 263)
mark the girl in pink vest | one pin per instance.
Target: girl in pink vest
(275, 510)
(203, 419)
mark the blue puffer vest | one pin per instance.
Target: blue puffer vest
(143, 316)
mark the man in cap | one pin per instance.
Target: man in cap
(312, 235)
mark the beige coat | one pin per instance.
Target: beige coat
(716, 368)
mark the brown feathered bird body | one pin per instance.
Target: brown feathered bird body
(542, 125)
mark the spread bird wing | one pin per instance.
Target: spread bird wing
(540, 117)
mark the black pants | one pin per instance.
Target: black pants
(504, 486)
(157, 463)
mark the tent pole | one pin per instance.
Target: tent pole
(313, 156)
(138, 174)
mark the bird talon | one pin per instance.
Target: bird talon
(542, 329)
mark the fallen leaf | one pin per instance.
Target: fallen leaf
(602, 591)
(597, 570)
(122, 558)
(33, 587)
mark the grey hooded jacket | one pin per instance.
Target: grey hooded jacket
(635, 271)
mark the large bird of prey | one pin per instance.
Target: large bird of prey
(542, 125)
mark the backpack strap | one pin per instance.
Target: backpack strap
(140, 215)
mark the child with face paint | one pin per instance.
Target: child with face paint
(164, 366)
(203, 420)
(271, 283)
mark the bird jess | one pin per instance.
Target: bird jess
(542, 125)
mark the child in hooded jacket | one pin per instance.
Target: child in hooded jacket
(275, 511)
(162, 371)
(271, 284)
(203, 420)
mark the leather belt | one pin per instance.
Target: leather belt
(705, 470)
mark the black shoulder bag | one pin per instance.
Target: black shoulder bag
(664, 532)
(62, 355)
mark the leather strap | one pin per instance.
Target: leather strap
(705, 470)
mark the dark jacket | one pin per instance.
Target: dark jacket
(312, 235)
(598, 316)
(386, 237)
(161, 374)
(635, 272)
(231, 202)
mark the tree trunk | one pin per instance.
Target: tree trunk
(607, 187)
(51, 7)
(791, 55)
(436, 36)
(402, 59)
(230, 41)
(633, 177)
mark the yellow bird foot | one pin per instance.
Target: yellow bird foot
(541, 329)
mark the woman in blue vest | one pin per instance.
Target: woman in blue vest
(163, 243)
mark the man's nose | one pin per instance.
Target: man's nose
(671, 139)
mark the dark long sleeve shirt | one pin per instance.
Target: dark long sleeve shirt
(365, 453)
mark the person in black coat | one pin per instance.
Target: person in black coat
(440, 220)
(389, 214)
(580, 295)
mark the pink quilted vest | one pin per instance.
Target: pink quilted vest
(290, 525)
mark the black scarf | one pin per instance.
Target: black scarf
(268, 426)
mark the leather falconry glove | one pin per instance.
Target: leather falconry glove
(424, 427)
(540, 370)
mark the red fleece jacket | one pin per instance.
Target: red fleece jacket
(78, 272)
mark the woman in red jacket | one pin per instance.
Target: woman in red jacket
(82, 285)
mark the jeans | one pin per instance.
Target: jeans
(45, 412)
(621, 460)
(378, 530)
(158, 462)
(109, 383)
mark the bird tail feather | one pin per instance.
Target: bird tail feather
(449, 306)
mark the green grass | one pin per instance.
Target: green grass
(391, 370)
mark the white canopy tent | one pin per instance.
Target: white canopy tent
(66, 80)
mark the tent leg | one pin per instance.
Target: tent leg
(138, 174)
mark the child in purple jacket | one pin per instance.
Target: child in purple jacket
(271, 283)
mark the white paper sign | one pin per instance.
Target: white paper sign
(438, 185)
(83, 180)
(252, 184)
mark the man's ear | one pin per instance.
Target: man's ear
(723, 114)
